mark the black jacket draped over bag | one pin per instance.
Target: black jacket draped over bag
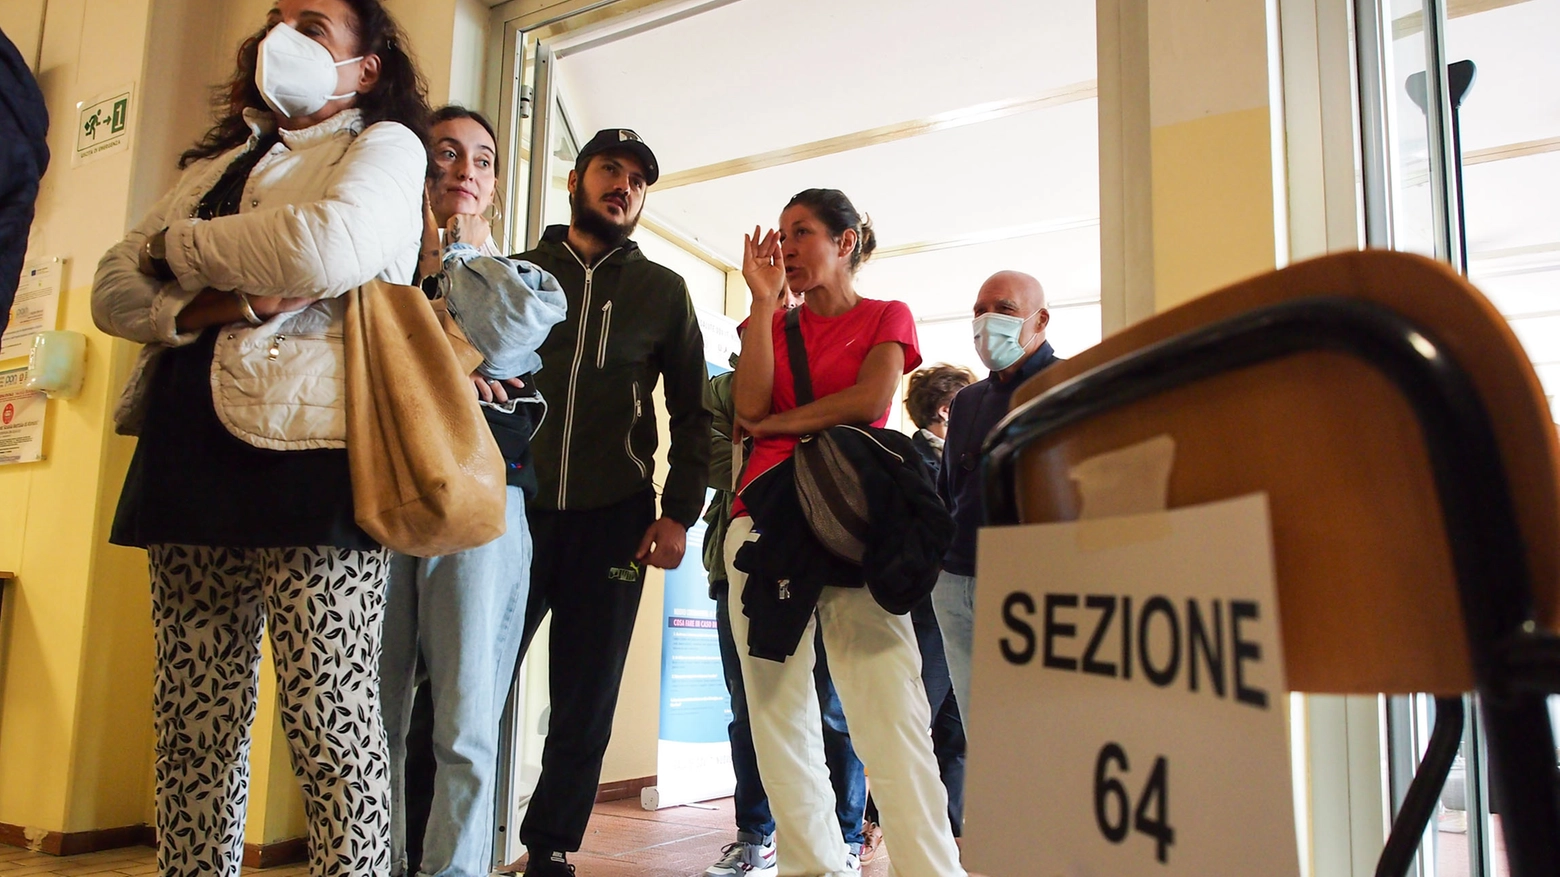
(788, 567)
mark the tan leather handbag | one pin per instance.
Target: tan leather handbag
(427, 476)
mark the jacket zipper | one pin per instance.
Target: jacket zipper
(628, 437)
(574, 376)
(606, 326)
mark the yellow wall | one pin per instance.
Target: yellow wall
(1213, 203)
(75, 718)
(1187, 151)
(449, 39)
(75, 632)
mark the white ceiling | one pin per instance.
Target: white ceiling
(1036, 167)
(1514, 96)
(757, 76)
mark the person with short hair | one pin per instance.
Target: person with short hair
(857, 349)
(930, 392)
(594, 523)
(1009, 329)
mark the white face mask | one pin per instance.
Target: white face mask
(997, 339)
(295, 74)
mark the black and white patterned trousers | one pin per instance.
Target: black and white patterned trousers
(324, 605)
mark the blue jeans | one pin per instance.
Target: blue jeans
(845, 769)
(954, 601)
(465, 614)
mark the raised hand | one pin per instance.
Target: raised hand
(763, 267)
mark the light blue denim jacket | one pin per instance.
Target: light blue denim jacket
(505, 306)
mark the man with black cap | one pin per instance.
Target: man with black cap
(594, 521)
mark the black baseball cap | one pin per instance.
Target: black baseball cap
(608, 139)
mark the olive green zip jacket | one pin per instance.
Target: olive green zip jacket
(723, 407)
(630, 324)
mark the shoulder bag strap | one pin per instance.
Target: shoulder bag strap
(801, 378)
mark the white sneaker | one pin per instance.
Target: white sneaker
(853, 863)
(744, 859)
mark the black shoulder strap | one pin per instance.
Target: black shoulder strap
(801, 378)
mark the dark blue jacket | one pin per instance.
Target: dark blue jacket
(974, 413)
(24, 156)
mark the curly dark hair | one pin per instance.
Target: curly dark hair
(401, 94)
(933, 387)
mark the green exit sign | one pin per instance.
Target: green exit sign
(103, 125)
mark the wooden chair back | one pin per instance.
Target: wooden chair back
(1367, 589)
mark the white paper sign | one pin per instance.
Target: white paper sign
(21, 419)
(102, 125)
(1127, 709)
(36, 308)
(720, 336)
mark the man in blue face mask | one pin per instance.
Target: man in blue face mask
(1010, 323)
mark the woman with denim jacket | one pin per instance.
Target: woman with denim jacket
(463, 614)
(307, 188)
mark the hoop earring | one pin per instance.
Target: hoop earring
(496, 218)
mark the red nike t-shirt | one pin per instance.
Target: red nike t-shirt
(836, 348)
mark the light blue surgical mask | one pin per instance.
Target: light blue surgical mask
(997, 339)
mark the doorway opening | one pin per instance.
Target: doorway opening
(968, 135)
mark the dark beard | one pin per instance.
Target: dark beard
(598, 225)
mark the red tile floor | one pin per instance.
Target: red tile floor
(623, 841)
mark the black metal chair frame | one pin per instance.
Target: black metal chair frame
(1515, 664)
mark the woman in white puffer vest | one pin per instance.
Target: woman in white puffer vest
(239, 489)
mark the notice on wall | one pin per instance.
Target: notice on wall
(1127, 703)
(693, 752)
(720, 339)
(36, 308)
(102, 125)
(21, 419)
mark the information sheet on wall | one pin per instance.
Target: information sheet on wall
(36, 308)
(21, 419)
(693, 752)
(1127, 709)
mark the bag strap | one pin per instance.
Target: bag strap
(801, 378)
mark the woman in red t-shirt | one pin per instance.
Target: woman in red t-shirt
(857, 350)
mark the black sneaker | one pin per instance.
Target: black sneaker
(548, 864)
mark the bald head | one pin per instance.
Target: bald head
(1009, 292)
(1017, 295)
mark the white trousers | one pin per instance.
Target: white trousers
(876, 667)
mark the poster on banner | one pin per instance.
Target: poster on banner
(21, 419)
(1127, 702)
(693, 752)
(36, 307)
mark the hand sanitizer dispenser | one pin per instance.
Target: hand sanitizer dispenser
(57, 364)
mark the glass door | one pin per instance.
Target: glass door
(540, 144)
(1462, 164)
